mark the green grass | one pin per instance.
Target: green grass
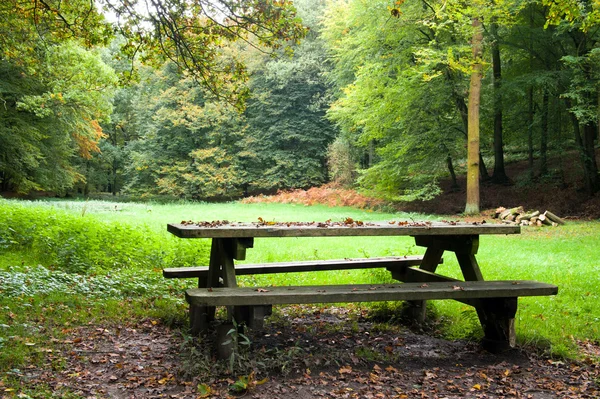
(117, 250)
(566, 256)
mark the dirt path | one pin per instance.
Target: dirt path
(324, 354)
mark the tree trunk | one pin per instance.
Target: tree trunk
(530, 116)
(452, 173)
(115, 168)
(592, 180)
(483, 173)
(586, 162)
(499, 176)
(544, 136)
(530, 99)
(3, 182)
(472, 205)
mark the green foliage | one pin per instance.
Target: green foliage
(79, 244)
(185, 146)
(341, 162)
(50, 117)
(398, 105)
(400, 76)
(185, 32)
(197, 44)
(286, 115)
(169, 136)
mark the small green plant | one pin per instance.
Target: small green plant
(368, 354)
(246, 383)
(239, 344)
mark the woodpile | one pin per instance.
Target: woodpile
(518, 216)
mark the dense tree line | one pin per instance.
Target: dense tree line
(384, 95)
(405, 76)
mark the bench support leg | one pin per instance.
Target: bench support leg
(497, 317)
(253, 316)
(415, 310)
(225, 345)
(200, 317)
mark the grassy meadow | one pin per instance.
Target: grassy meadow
(70, 263)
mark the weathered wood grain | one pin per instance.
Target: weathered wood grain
(239, 230)
(366, 292)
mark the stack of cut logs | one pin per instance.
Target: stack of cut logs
(517, 216)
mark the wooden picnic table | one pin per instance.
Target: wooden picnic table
(495, 302)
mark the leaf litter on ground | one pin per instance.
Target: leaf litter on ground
(328, 353)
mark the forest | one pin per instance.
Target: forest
(203, 101)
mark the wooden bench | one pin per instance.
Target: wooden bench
(496, 301)
(391, 263)
(253, 316)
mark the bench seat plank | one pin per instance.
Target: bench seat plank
(225, 296)
(390, 262)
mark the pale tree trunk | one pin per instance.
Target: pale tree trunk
(472, 206)
(544, 134)
(530, 114)
(530, 120)
(499, 175)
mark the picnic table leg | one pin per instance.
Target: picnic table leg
(416, 310)
(201, 316)
(230, 249)
(465, 248)
(496, 315)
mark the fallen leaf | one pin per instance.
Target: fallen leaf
(261, 382)
(391, 369)
(164, 380)
(204, 391)
(345, 370)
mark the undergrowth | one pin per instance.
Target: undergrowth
(85, 244)
(329, 195)
(38, 280)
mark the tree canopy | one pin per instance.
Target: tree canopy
(218, 99)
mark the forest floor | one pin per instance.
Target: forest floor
(323, 355)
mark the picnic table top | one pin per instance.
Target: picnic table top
(348, 227)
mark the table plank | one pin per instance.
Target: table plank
(236, 230)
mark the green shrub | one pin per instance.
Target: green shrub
(31, 281)
(85, 244)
